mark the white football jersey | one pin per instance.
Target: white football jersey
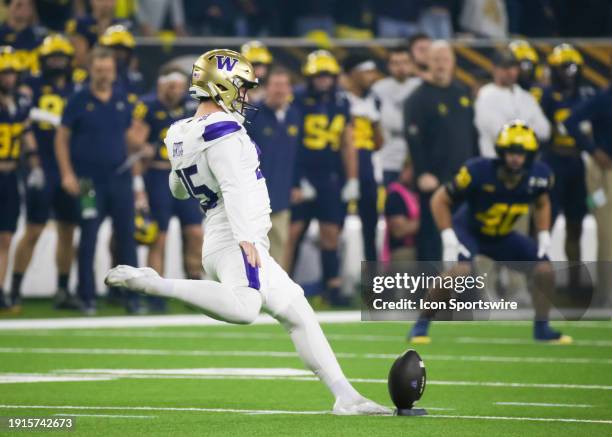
(218, 164)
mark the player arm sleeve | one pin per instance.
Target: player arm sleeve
(581, 113)
(224, 161)
(463, 182)
(177, 188)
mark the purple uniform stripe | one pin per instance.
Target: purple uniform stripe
(251, 272)
(219, 129)
(259, 174)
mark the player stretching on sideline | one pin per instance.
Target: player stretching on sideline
(214, 160)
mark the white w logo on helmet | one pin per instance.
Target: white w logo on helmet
(225, 62)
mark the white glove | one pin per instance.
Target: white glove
(452, 247)
(350, 191)
(36, 178)
(544, 243)
(308, 191)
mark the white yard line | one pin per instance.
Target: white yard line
(542, 404)
(246, 411)
(329, 317)
(80, 377)
(525, 341)
(110, 416)
(283, 354)
(528, 419)
(157, 321)
(203, 335)
(192, 409)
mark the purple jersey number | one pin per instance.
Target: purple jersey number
(197, 191)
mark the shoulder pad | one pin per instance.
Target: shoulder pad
(540, 168)
(219, 129)
(218, 125)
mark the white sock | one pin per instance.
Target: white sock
(311, 345)
(234, 305)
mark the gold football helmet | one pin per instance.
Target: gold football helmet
(523, 51)
(146, 229)
(56, 44)
(224, 76)
(118, 36)
(517, 137)
(8, 59)
(565, 54)
(320, 62)
(256, 53)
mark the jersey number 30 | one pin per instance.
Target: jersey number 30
(207, 197)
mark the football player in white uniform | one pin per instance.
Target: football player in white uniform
(214, 160)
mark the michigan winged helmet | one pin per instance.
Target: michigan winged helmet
(223, 76)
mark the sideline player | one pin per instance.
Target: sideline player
(563, 154)
(214, 160)
(14, 130)
(326, 166)
(496, 192)
(361, 74)
(152, 117)
(49, 92)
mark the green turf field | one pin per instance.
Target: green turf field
(246, 380)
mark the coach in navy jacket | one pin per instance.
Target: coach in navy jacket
(275, 130)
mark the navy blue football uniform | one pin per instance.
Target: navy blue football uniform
(365, 111)
(563, 155)
(163, 205)
(52, 198)
(484, 222)
(25, 43)
(13, 124)
(87, 27)
(319, 157)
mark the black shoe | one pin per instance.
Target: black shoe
(65, 301)
(4, 308)
(88, 309)
(15, 300)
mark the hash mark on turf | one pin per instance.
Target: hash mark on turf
(287, 354)
(542, 404)
(245, 411)
(110, 416)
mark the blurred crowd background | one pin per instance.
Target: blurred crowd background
(355, 19)
(382, 81)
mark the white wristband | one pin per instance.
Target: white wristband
(138, 183)
(449, 237)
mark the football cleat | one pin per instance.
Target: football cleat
(542, 332)
(563, 339)
(124, 276)
(361, 407)
(418, 333)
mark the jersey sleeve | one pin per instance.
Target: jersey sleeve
(464, 181)
(543, 178)
(177, 188)
(224, 161)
